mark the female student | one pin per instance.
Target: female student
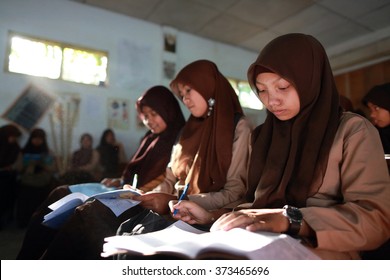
(161, 113)
(314, 171)
(10, 165)
(212, 148)
(209, 154)
(84, 163)
(37, 176)
(111, 154)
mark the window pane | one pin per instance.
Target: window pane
(35, 58)
(84, 67)
(55, 60)
(247, 98)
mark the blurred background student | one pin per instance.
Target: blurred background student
(37, 176)
(84, 163)
(111, 154)
(10, 161)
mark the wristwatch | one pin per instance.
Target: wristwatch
(295, 217)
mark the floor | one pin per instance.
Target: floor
(11, 237)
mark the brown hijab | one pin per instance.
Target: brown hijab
(153, 154)
(289, 158)
(205, 151)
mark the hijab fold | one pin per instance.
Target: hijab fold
(289, 158)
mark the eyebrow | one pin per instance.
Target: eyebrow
(276, 80)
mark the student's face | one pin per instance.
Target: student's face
(153, 120)
(278, 95)
(37, 141)
(12, 139)
(86, 142)
(380, 117)
(110, 138)
(193, 100)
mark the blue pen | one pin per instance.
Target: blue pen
(182, 196)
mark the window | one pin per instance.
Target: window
(54, 60)
(245, 94)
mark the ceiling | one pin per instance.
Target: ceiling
(352, 31)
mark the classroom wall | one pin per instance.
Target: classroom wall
(136, 54)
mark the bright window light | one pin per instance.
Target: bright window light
(41, 58)
(247, 98)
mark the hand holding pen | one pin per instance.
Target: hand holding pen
(190, 212)
(182, 196)
(132, 187)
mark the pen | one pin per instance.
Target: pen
(135, 181)
(182, 196)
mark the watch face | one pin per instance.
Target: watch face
(294, 214)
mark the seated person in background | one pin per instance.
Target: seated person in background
(315, 172)
(84, 163)
(111, 155)
(10, 163)
(37, 176)
(161, 114)
(378, 101)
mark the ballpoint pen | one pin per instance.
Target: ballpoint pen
(182, 196)
(135, 181)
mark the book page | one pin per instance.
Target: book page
(90, 189)
(182, 239)
(118, 205)
(121, 193)
(63, 208)
(255, 245)
(154, 242)
(66, 199)
(118, 200)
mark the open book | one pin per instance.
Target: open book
(184, 241)
(118, 200)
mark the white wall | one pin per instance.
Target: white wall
(135, 50)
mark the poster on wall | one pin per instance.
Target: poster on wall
(169, 69)
(29, 108)
(118, 113)
(169, 54)
(169, 35)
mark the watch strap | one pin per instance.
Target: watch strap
(294, 227)
(294, 217)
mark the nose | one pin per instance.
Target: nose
(186, 100)
(273, 98)
(373, 114)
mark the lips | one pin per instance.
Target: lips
(278, 112)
